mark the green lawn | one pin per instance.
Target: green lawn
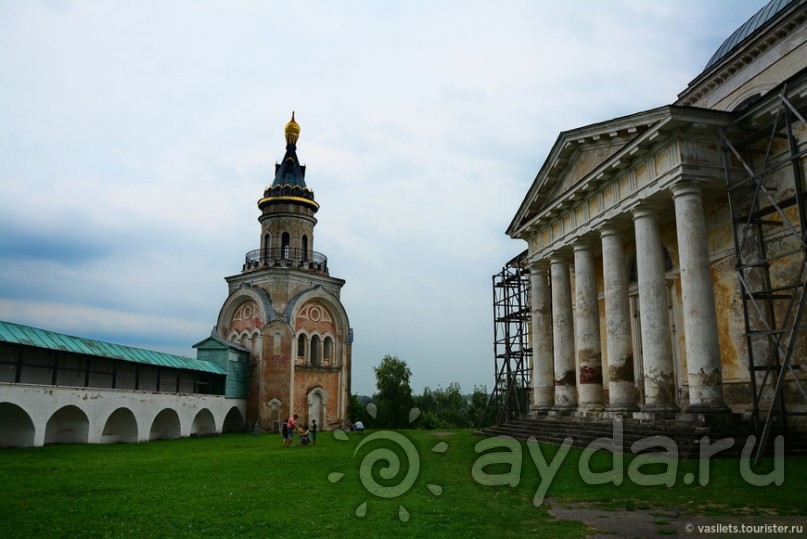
(251, 486)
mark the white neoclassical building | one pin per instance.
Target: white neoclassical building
(666, 249)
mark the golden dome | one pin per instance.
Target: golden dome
(292, 131)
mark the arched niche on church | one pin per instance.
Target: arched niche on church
(316, 324)
(243, 316)
(317, 400)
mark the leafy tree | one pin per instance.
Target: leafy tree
(358, 408)
(426, 402)
(429, 420)
(443, 407)
(394, 397)
(453, 406)
(450, 408)
(479, 413)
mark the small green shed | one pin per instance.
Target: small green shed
(231, 357)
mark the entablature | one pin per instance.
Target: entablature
(620, 186)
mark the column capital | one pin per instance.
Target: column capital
(560, 257)
(538, 265)
(686, 187)
(583, 244)
(615, 227)
(645, 209)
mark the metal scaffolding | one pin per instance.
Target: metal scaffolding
(511, 346)
(764, 163)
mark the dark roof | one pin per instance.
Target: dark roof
(289, 172)
(50, 340)
(760, 19)
(219, 343)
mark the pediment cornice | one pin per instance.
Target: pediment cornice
(634, 137)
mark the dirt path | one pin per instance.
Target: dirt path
(610, 524)
(636, 522)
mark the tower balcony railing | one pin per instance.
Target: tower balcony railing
(286, 257)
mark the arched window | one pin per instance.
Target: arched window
(747, 102)
(284, 245)
(305, 247)
(327, 348)
(301, 346)
(315, 354)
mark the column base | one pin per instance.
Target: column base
(540, 410)
(660, 408)
(561, 412)
(587, 413)
(712, 419)
(617, 414)
(623, 408)
(707, 409)
(644, 416)
(589, 395)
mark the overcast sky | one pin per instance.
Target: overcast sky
(137, 137)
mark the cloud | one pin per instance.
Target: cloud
(112, 325)
(137, 138)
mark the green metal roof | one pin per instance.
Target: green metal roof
(42, 338)
(220, 344)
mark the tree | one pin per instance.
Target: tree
(426, 402)
(479, 413)
(394, 397)
(452, 406)
(358, 409)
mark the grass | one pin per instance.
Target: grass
(250, 486)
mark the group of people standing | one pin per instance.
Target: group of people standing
(306, 435)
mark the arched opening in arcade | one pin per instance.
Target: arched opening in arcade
(121, 426)
(16, 427)
(67, 425)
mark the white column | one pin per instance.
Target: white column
(657, 360)
(698, 298)
(587, 329)
(543, 379)
(621, 381)
(563, 335)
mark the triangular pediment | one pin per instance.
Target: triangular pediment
(578, 153)
(588, 157)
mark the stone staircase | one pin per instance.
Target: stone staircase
(686, 434)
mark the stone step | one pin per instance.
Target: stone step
(686, 435)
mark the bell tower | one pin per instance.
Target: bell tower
(287, 210)
(285, 309)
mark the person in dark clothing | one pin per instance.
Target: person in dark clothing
(291, 426)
